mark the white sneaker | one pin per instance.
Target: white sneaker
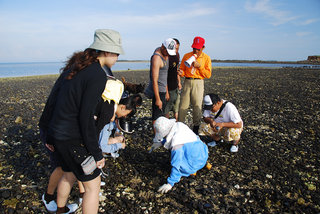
(72, 207)
(212, 143)
(51, 206)
(114, 154)
(80, 201)
(234, 148)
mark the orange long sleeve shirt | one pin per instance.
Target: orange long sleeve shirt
(201, 73)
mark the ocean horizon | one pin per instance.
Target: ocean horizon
(20, 69)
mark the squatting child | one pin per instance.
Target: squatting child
(188, 153)
(221, 121)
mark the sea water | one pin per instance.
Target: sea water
(45, 68)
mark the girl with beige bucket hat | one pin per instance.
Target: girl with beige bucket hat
(68, 118)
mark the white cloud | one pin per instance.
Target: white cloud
(309, 21)
(162, 18)
(53, 37)
(264, 7)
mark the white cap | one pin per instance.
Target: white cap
(207, 102)
(170, 45)
(162, 127)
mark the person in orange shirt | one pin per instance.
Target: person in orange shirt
(195, 70)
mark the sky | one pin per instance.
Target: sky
(52, 30)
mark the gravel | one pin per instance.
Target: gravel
(275, 171)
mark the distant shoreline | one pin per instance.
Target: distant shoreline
(118, 71)
(245, 61)
(267, 62)
(214, 60)
(135, 66)
(138, 70)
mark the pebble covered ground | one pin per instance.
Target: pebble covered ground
(275, 171)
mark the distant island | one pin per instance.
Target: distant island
(269, 61)
(315, 60)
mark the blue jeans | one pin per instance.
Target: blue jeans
(104, 138)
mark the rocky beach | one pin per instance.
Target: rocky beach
(276, 169)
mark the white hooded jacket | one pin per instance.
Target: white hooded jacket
(179, 135)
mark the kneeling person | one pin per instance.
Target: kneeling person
(221, 121)
(105, 116)
(188, 153)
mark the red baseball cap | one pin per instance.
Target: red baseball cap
(198, 42)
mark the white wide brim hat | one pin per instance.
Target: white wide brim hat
(162, 127)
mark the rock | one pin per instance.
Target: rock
(6, 194)
(10, 210)
(20, 206)
(207, 205)
(269, 176)
(18, 120)
(311, 187)
(301, 201)
(275, 171)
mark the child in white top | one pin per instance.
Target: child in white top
(221, 121)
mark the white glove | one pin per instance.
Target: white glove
(155, 146)
(164, 188)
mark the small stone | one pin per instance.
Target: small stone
(301, 201)
(269, 176)
(19, 206)
(247, 171)
(311, 187)
(207, 205)
(10, 210)
(18, 120)
(224, 190)
(6, 194)
(268, 203)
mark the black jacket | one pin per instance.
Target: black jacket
(51, 102)
(73, 115)
(104, 113)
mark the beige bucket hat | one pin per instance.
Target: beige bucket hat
(107, 40)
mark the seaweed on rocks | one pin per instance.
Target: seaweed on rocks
(275, 171)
